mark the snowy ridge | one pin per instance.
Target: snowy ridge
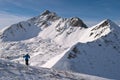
(13, 71)
(94, 57)
(47, 17)
(102, 29)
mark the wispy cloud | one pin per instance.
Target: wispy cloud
(36, 5)
(7, 19)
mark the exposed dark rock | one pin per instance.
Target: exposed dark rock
(105, 23)
(76, 22)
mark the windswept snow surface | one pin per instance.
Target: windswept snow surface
(13, 71)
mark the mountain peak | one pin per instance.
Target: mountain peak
(107, 22)
(48, 15)
(46, 12)
(75, 21)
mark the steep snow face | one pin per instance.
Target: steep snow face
(100, 58)
(63, 32)
(13, 71)
(20, 31)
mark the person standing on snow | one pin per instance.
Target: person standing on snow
(26, 59)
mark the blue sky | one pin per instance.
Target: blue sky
(90, 11)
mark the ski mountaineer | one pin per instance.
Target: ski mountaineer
(26, 59)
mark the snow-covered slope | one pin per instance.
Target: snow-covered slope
(42, 37)
(20, 31)
(13, 71)
(63, 33)
(49, 38)
(47, 26)
(40, 50)
(99, 57)
(61, 30)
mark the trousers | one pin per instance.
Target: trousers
(26, 62)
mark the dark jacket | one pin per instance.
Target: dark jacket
(26, 57)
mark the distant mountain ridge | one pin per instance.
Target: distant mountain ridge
(48, 16)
